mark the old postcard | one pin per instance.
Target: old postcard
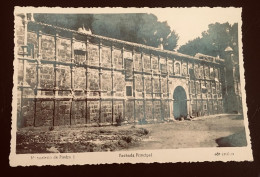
(128, 85)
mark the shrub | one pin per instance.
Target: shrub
(119, 119)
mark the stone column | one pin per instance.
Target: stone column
(181, 72)
(173, 65)
(123, 68)
(151, 66)
(23, 84)
(134, 84)
(196, 101)
(39, 57)
(160, 88)
(112, 77)
(87, 72)
(190, 95)
(143, 91)
(100, 78)
(55, 65)
(168, 94)
(194, 85)
(25, 51)
(72, 77)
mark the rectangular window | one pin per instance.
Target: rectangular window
(128, 90)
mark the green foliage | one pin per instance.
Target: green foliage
(139, 28)
(214, 41)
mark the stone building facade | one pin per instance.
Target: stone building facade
(67, 77)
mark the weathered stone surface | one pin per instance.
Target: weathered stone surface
(106, 83)
(156, 86)
(198, 89)
(184, 69)
(19, 30)
(64, 77)
(138, 83)
(93, 111)
(164, 87)
(147, 63)
(119, 84)
(206, 70)
(28, 92)
(32, 41)
(137, 62)
(163, 68)
(78, 113)
(165, 109)
(62, 113)
(220, 107)
(149, 110)
(20, 72)
(31, 75)
(193, 108)
(170, 67)
(64, 50)
(47, 93)
(27, 114)
(93, 55)
(106, 57)
(47, 76)
(201, 72)
(93, 80)
(48, 47)
(210, 107)
(80, 78)
(129, 69)
(106, 111)
(63, 93)
(148, 86)
(157, 110)
(87, 85)
(139, 110)
(44, 113)
(79, 93)
(155, 65)
(129, 110)
(118, 110)
(128, 54)
(117, 56)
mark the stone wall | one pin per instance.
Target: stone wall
(71, 79)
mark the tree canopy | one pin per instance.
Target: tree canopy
(140, 28)
(214, 41)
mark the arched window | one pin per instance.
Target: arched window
(177, 68)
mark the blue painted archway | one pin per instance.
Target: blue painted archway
(180, 102)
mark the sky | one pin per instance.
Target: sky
(189, 23)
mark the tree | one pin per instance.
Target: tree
(214, 41)
(140, 28)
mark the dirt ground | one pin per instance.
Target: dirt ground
(77, 139)
(212, 131)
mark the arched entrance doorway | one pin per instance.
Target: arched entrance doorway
(180, 102)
